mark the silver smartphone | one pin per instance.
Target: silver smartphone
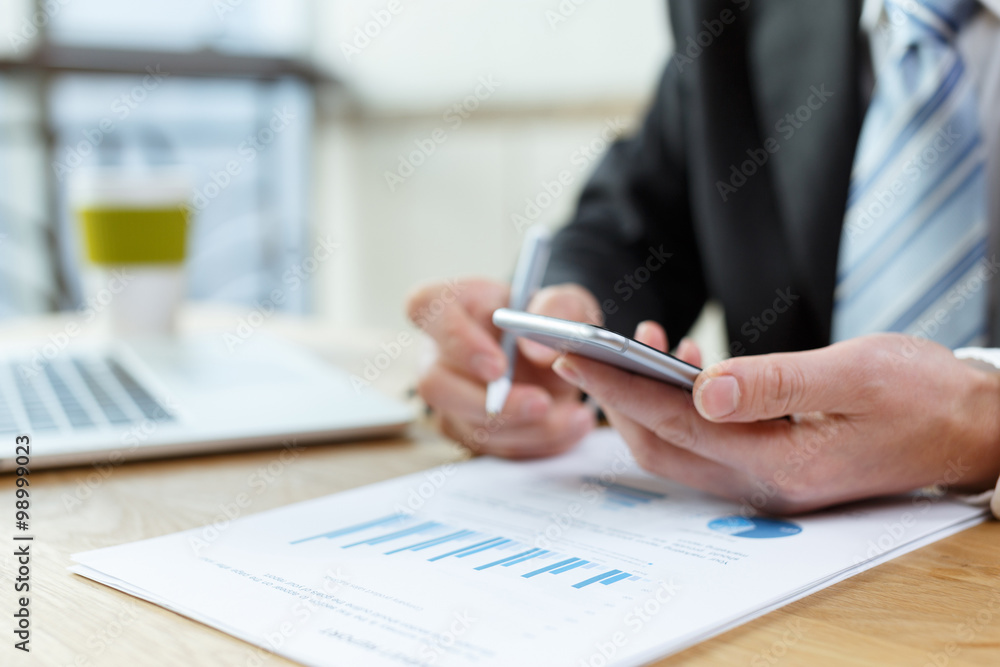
(598, 344)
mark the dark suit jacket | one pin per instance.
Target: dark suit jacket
(740, 172)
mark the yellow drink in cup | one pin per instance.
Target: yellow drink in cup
(133, 230)
(124, 235)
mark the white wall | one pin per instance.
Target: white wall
(562, 53)
(560, 82)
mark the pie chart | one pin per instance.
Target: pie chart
(756, 528)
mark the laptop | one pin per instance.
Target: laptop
(108, 402)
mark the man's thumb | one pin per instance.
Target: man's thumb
(757, 388)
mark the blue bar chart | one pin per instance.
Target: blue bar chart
(608, 577)
(392, 518)
(623, 495)
(400, 533)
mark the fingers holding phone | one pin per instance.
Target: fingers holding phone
(543, 415)
(567, 302)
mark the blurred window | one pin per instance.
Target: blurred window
(212, 84)
(26, 272)
(258, 27)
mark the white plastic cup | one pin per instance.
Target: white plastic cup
(133, 229)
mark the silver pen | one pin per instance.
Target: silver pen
(527, 279)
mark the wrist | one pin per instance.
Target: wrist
(982, 414)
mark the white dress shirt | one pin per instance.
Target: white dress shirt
(979, 45)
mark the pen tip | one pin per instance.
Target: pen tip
(496, 396)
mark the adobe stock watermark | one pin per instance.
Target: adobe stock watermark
(591, 491)
(293, 278)
(966, 632)
(480, 436)
(635, 620)
(30, 25)
(580, 160)
(882, 200)
(454, 116)
(391, 350)
(784, 477)
(225, 7)
(121, 108)
(58, 341)
(418, 496)
(426, 315)
(364, 34)
(246, 152)
(257, 483)
(786, 127)
(695, 45)
(431, 649)
(375, 365)
(99, 642)
(956, 299)
(896, 16)
(130, 438)
(630, 283)
(794, 632)
(309, 600)
(756, 326)
(894, 533)
(562, 12)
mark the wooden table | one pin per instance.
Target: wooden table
(939, 605)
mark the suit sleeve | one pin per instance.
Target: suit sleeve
(631, 241)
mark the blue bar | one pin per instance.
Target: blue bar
(353, 529)
(448, 538)
(521, 560)
(508, 558)
(622, 497)
(617, 577)
(567, 568)
(475, 551)
(633, 491)
(550, 567)
(625, 490)
(430, 543)
(458, 551)
(594, 580)
(427, 525)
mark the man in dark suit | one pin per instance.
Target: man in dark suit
(773, 175)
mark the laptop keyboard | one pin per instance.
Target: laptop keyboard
(73, 395)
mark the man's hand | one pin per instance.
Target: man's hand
(543, 415)
(877, 415)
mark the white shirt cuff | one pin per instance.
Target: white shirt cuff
(988, 359)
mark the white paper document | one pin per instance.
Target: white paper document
(582, 560)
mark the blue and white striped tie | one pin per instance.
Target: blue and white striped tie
(915, 234)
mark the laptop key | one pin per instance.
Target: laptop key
(74, 411)
(142, 398)
(39, 417)
(7, 422)
(112, 411)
